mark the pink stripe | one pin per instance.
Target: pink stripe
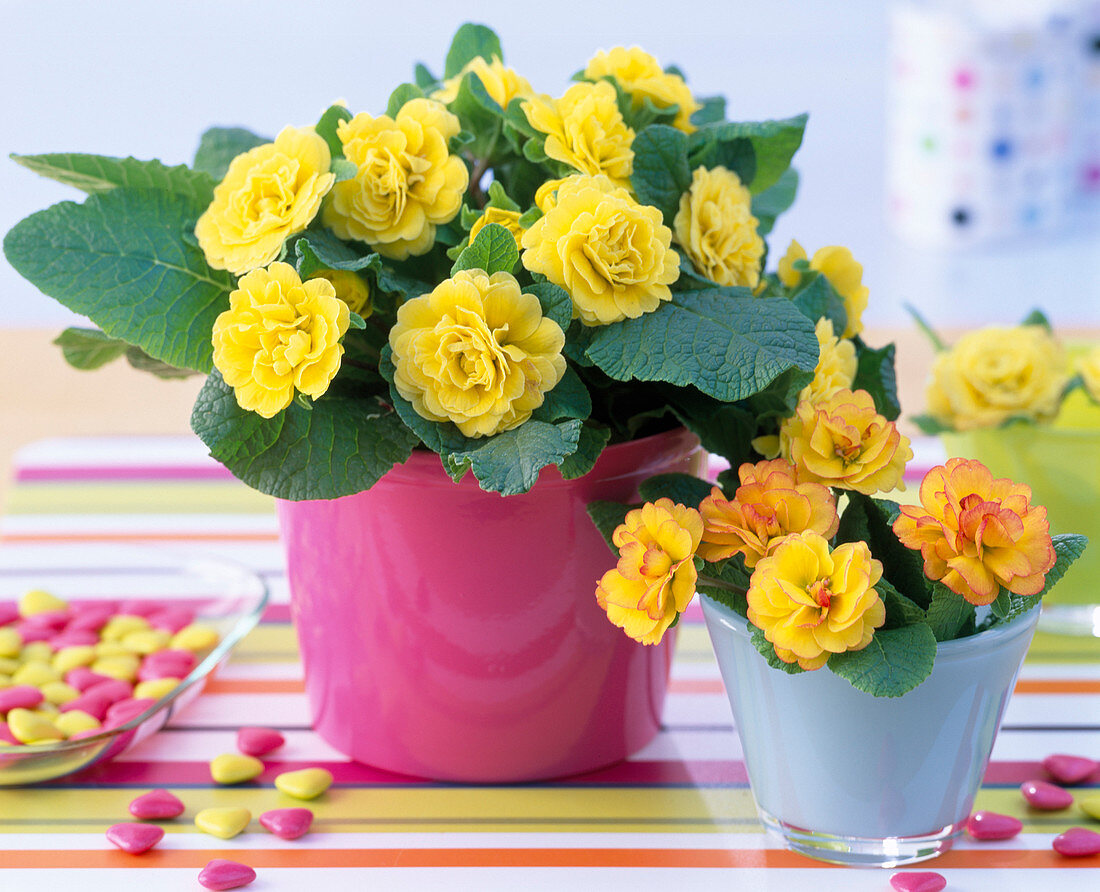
(276, 613)
(123, 472)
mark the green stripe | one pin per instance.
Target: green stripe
(138, 497)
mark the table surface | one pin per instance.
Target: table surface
(680, 804)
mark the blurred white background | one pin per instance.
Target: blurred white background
(146, 78)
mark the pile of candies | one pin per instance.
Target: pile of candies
(69, 671)
(227, 821)
(1077, 842)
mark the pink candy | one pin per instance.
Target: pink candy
(167, 664)
(54, 620)
(29, 632)
(6, 735)
(73, 638)
(156, 805)
(94, 704)
(1077, 843)
(136, 838)
(987, 825)
(287, 823)
(1040, 794)
(90, 618)
(9, 613)
(172, 619)
(221, 874)
(259, 741)
(1069, 769)
(121, 712)
(20, 696)
(918, 881)
(113, 690)
(83, 678)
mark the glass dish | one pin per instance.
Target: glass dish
(225, 596)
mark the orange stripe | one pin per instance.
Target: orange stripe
(137, 536)
(679, 858)
(1026, 686)
(253, 686)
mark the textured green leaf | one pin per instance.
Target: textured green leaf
(870, 520)
(471, 41)
(1001, 605)
(607, 516)
(509, 462)
(100, 173)
(722, 429)
(949, 614)
(442, 437)
(327, 126)
(424, 78)
(767, 651)
(681, 488)
(479, 113)
(220, 145)
(774, 144)
(1068, 547)
(493, 250)
(120, 259)
(143, 362)
(875, 374)
(713, 110)
(895, 662)
(736, 155)
(568, 399)
(341, 447)
(556, 302)
(661, 173)
(773, 201)
(89, 348)
(590, 444)
(900, 610)
(402, 94)
(721, 340)
(817, 298)
(779, 398)
(320, 250)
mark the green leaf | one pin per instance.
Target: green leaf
(722, 429)
(661, 173)
(895, 662)
(100, 173)
(143, 362)
(721, 340)
(1037, 317)
(509, 462)
(736, 155)
(929, 425)
(327, 128)
(900, 610)
(875, 374)
(444, 438)
(870, 520)
(1001, 605)
(773, 201)
(767, 651)
(402, 94)
(479, 113)
(341, 447)
(568, 399)
(120, 260)
(89, 348)
(499, 198)
(817, 298)
(933, 337)
(591, 443)
(773, 142)
(493, 250)
(1068, 547)
(423, 77)
(778, 399)
(713, 110)
(556, 302)
(220, 145)
(530, 217)
(471, 41)
(320, 250)
(681, 488)
(949, 614)
(607, 516)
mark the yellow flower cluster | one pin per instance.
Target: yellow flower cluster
(836, 364)
(995, 374)
(717, 229)
(500, 82)
(476, 351)
(350, 287)
(836, 264)
(654, 580)
(640, 75)
(406, 184)
(506, 218)
(610, 253)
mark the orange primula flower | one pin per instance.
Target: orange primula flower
(770, 503)
(977, 534)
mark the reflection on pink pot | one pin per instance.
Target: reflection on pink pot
(454, 634)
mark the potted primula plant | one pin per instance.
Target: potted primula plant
(406, 314)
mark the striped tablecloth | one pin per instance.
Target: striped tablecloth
(679, 814)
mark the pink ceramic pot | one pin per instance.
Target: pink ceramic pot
(454, 634)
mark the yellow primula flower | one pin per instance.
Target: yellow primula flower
(995, 374)
(610, 253)
(506, 218)
(770, 503)
(500, 82)
(836, 264)
(546, 196)
(1088, 367)
(717, 229)
(585, 130)
(268, 194)
(640, 75)
(476, 351)
(836, 364)
(350, 287)
(844, 442)
(812, 603)
(279, 335)
(407, 182)
(977, 533)
(654, 580)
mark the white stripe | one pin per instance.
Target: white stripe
(113, 452)
(201, 746)
(1034, 746)
(234, 710)
(137, 525)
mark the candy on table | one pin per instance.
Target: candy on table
(93, 704)
(73, 638)
(259, 741)
(30, 727)
(234, 768)
(11, 642)
(918, 881)
(220, 874)
(1040, 794)
(287, 823)
(1067, 769)
(6, 736)
(73, 656)
(39, 601)
(121, 712)
(83, 678)
(122, 666)
(29, 633)
(134, 838)
(157, 805)
(1090, 805)
(35, 672)
(305, 783)
(1077, 842)
(987, 825)
(172, 619)
(155, 688)
(9, 613)
(23, 696)
(195, 637)
(75, 721)
(122, 624)
(223, 822)
(58, 693)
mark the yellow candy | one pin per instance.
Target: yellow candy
(36, 652)
(27, 726)
(155, 688)
(38, 601)
(234, 768)
(112, 649)
(8, 664)
(306, 783)
(11, 642)
(123, 666)
(195, 637)
(47, 710)
(72, 657)
(36, 672)
(59, 693)
(74, 721)
(119, 626)
(1090, 805)
(146, 641)
(5, 680)
(224, 823)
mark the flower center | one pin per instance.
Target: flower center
(819, 591)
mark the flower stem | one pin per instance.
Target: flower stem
(722, 584)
